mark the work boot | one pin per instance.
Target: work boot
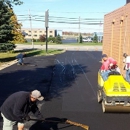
(19, 64)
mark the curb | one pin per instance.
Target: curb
(7, 64)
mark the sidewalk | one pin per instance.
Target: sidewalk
(62, 46)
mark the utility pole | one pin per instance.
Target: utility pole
(79, 31)
(31, 29)
(46, 26)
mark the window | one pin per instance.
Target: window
(50, 31)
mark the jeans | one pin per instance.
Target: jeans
(20, 60)
(105, 74)
(128, 75)
(8, 125)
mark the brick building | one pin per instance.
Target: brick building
(127, 1)
(116, 39)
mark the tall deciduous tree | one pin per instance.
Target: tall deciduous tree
(42, 38)
(9, 26)
(17, 34)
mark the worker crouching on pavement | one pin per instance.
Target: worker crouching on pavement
(17, 106)
(20, 57)
(108, 63)
(127, 66)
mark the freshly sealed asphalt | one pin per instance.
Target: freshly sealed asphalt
(69, 83)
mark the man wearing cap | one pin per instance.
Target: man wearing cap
(127, 66)
(107, 64)
(17, 106)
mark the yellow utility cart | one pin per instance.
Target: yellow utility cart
(114, 93)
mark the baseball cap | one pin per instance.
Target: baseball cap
(37, 94)
(104, 55)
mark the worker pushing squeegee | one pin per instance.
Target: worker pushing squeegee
(17, 106)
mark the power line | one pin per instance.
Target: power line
(64, 21)
(62, 17)
(72, 21)
(55, 11)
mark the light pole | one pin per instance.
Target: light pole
(46, 26)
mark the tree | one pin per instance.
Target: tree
(9, 3)
(42, 38)
(9, 26)
(58, 39)
(4, 47)
(17, 34)
(95, 38)
(5, 26)
(80, 39)
(51, 39)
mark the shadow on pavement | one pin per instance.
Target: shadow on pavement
(25, 80)
(49, 124)
(64, 76)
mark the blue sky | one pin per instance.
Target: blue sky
(77, 9)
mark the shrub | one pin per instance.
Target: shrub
(51, 39)
(58, 39)
(4, 47)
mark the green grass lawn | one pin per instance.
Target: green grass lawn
(38, 43)
(8, 56)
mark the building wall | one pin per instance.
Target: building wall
(116, 39)
(127, 1)
(75, 34)
(37, 32)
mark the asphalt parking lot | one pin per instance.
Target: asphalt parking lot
(36, 74)
(69, 83)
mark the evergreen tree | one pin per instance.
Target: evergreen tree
(5, 26)
(95, 38)
(80, 39)
(9, 3)
(58, 39)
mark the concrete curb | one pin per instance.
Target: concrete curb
(8, 64)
